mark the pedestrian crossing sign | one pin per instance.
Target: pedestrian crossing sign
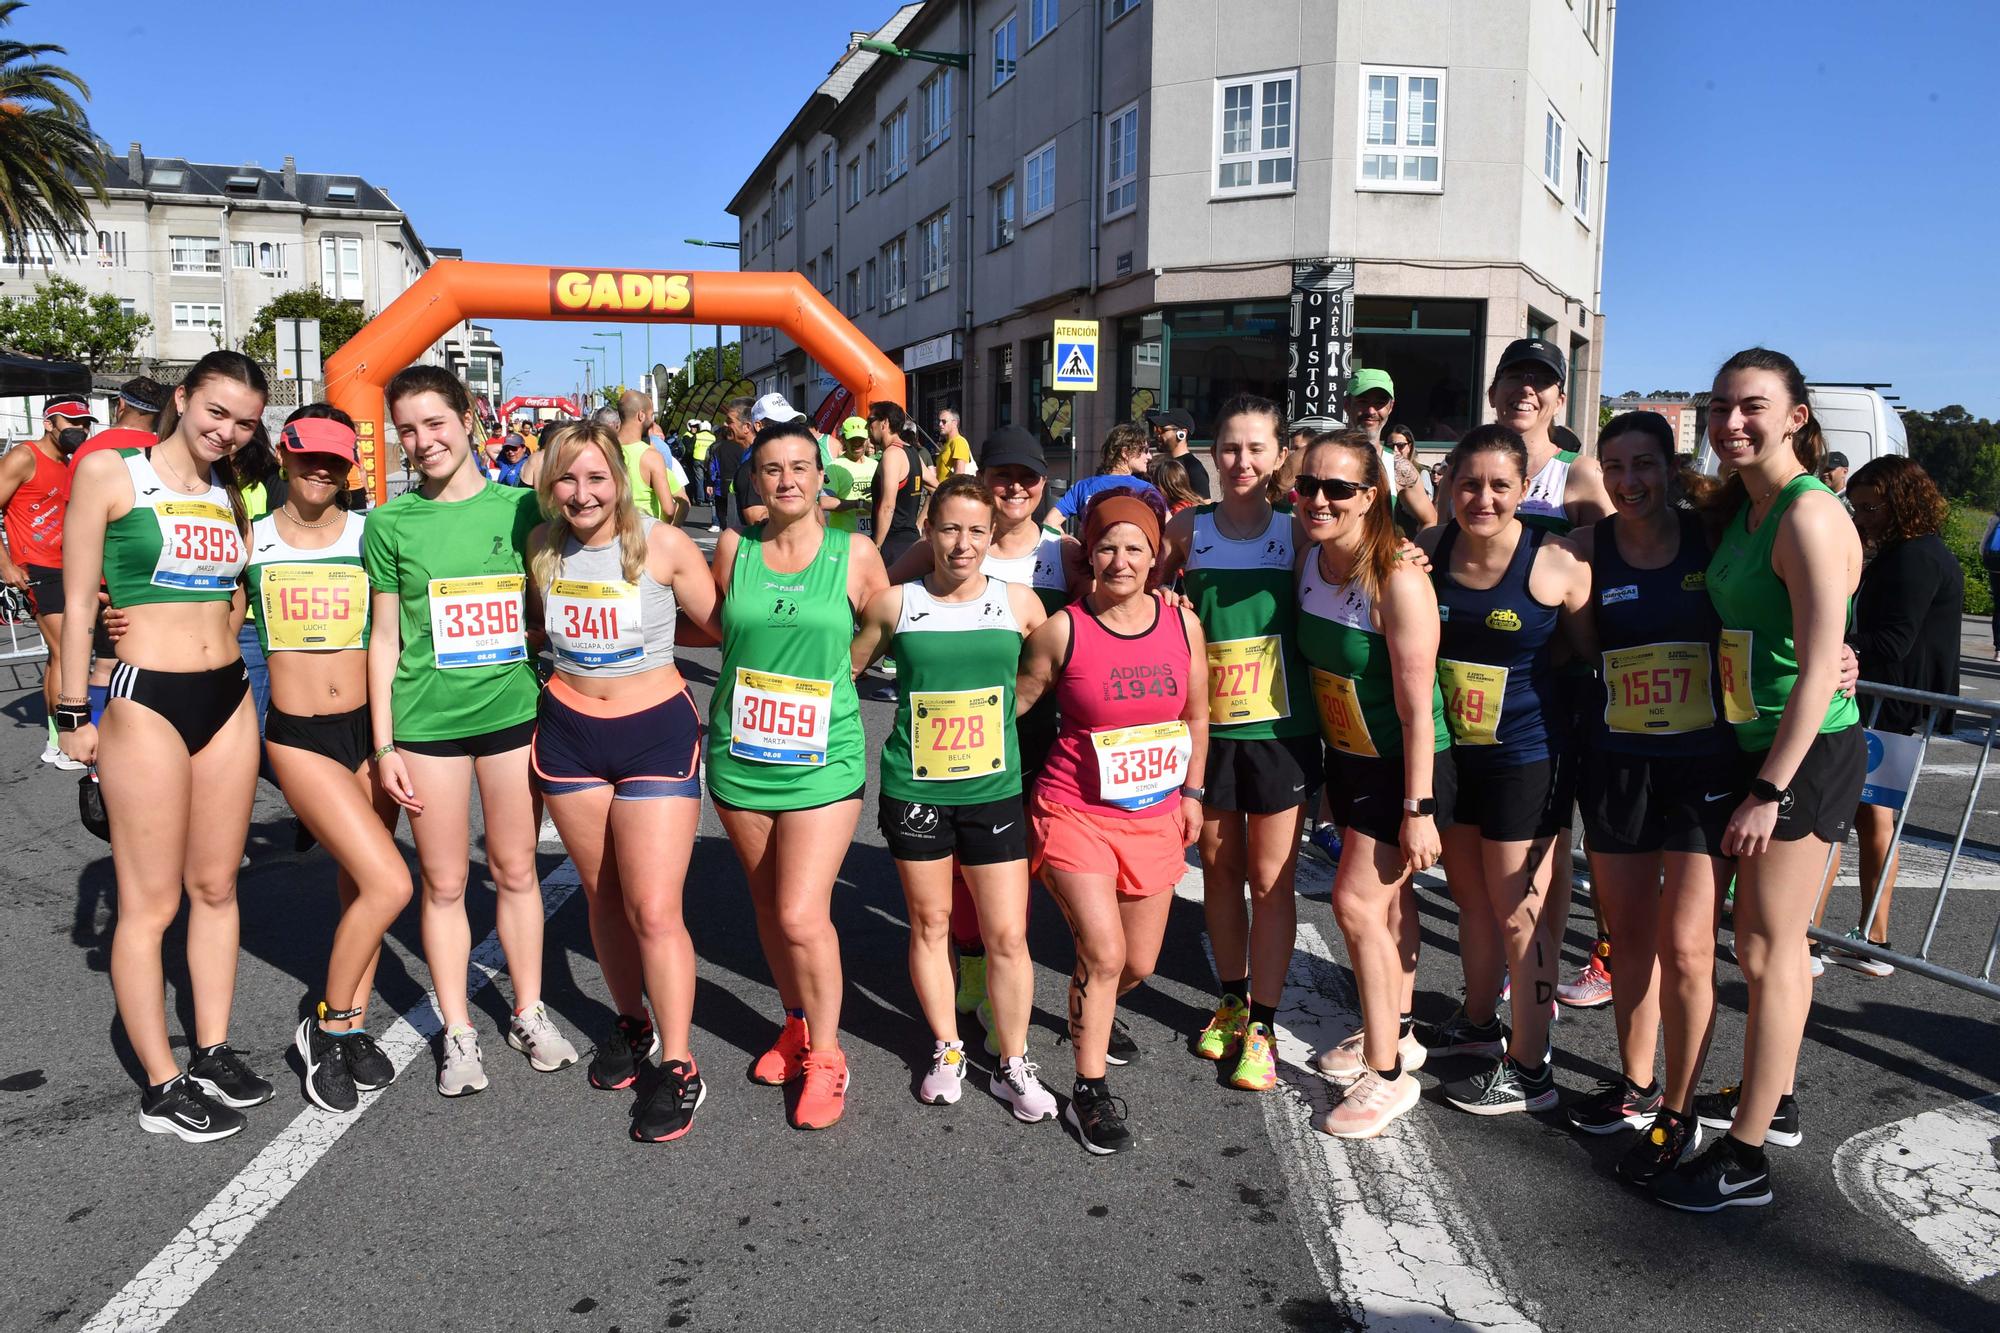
(1075, 369)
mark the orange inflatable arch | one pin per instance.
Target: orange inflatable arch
(454, 291)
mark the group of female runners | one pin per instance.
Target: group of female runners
(1060, 716)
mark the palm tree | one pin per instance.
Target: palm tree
(48, 152)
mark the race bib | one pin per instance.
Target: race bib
(954, 736)
(477, 621)
(595, 624)
(780, 719)
(1473, 693)
(1141, 767)
(312, 607)
(1340, 717)
(200, 548)
(1246, 681)
(1737, 703)
(1658, 689)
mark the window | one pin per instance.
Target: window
(197, 254)
(826, 167)
(1042, 19)
(763, 229)
(1402, 130)
(829, 280)
(111, 249)
(1120, 8)
(1579, 201)
(1437, 349)
(811, 178)
(267, 257)
(934, 234)
(192, 316)
(870, 177)
(1552, 151)
(1121, 161)
(853, 292)
(788, 210)
(38, 248)
(1256, 141)
(896, 145)
(893, 292)
(1006, 49)
(1040, 174)
(1002, 208)
(1587, 10)
(340, 267)
(937, 110)
(127, 306)
(854, 182)
(812, 273)
(871, 285)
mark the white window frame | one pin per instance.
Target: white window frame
(1118, 9)
(934, 253)
(1397, 146)
(1121, 187)
(936, 92)
(895, 274)
(184, 320)
(1555, 143)
(853, 181)
(829, 276)
(1004, 69)
(1004, 202)
(1256, 155)
(896, 144)
(196, 254)
(333, 277)
(872, 284)
(868, 177)
(1048, 13)
(266, 257)
(1032, 170)
(812, 179)
(1579, 197)
(787, 207)
(110, 247)
(853, 292)
(128, 306)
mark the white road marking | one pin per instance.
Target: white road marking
(1936, 1176)
(1385, 1234)
(169, 1281)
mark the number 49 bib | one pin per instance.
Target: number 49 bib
(1140, 767)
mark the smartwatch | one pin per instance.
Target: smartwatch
(1426, 805)
(1195, 793)
(1766, 790)
(72, 717)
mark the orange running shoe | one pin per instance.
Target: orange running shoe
(785, 1060)
(824, 1096)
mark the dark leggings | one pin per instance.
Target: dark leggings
(1993, 585)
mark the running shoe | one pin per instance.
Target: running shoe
(1257, 1069)
(53, 756)
(615, 1067)
(1590, 989)
(1672, 1139)
(1016, 1083)
(534, 1034)
(1459, 1035)
(1872, 967)
(947, 1077)
(823, 1095)
(1098, 1119)
(181, 1108)
(1224, 1033)
(329, 1082)
(1501, 1088)
(1717, 1110)
(1715, 1180)
(460, 1070)
(1369, 1106)
(669, 1111)
(1122, 1049)
(1345, 1063)
(367, 1061)
(225, 1078)
(785, 1060)
(1324, 843)
(1613, 1106)
(1815, 962)
(971, 982)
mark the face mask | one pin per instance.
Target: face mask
(71, 440)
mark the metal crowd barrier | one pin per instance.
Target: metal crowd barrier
(23, 641)
(1983, 714)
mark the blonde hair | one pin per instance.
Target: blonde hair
(562, 445)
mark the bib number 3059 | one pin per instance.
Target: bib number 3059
(477, 621)
(1141, 767)
(780, 719)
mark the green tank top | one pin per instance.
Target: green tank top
(1758, 659)
(784, 724)
(170, 546)
(311, 601)
(953, 741)
(642, 494)
(1244, 593)
(1353, 681)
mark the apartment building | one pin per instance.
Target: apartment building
(1161, 166)
(1682, 414)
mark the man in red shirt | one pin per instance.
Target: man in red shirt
(34, 491)
(134, 427)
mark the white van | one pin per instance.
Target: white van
(1854, 418)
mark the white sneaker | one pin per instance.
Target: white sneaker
(460, 1070)
(52, 755)
(534, 1034)
(1016, 1083)
(947, 1077)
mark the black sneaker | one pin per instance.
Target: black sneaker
(1502, 1088)
(1717, 1110)
(616, 1064)
(1614, 1106)
(1715, 1180)
(225, 1078)
(1459, 1035)
(1660, 1149)
(180, 1108)
(1098, 1119)
(669, 1112)
(1122, 1050)
(329, 1082)
(367, 1061)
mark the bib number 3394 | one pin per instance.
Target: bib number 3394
(1141, 767)
(477, 621)
(780, 719)
(200, 548)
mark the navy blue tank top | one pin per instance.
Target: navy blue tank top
(1657, 630)
(1500, 699)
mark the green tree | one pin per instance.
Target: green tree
(1960, 451)
(64, 321)
(48, 154)
(1604, 415)
(338, 321)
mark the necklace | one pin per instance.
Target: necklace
(293, 515)
(1227, 534)
(180, 484)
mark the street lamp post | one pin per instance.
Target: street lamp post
(620, 336)
(585, 362)
(714, 245)
(604, 367)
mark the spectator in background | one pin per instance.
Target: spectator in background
(733, 434)
(1834, 473)
(1989, 558)
(1169, 477)
(1120, 462)
(1171, 428)
(137, 414)
(701, 440)
(954, 454)
(513, 457)
(1371, 398)
(1906, 632)
(851, 478)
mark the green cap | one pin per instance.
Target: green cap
(854, 428)
(1361, 381)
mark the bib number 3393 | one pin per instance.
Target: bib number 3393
(1141, 767)
(780, 719)
(200, 548)
(477, 621)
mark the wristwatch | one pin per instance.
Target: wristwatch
(71, 717)
(1765, 790)
(1195, 793)
(1425, 805)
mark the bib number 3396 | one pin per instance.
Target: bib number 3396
(477, 621)
(780, 719)
(1141, 767)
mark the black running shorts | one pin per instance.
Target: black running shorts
(1825, 790)
(1366, 795)
(991, 833)
(1636, 804)
(1261, 777)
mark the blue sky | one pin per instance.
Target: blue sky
(1816, 175)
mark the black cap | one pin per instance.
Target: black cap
(1171, 416)
(1833, 460)
(1011, 445)
(1565, 438)
(1538, 350)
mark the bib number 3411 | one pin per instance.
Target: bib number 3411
(477, 621)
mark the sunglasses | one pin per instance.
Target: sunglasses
(1333, 488)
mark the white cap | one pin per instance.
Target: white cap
(774, 407)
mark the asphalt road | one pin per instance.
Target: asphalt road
(527, 1207)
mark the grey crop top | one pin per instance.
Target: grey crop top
(600, 625)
